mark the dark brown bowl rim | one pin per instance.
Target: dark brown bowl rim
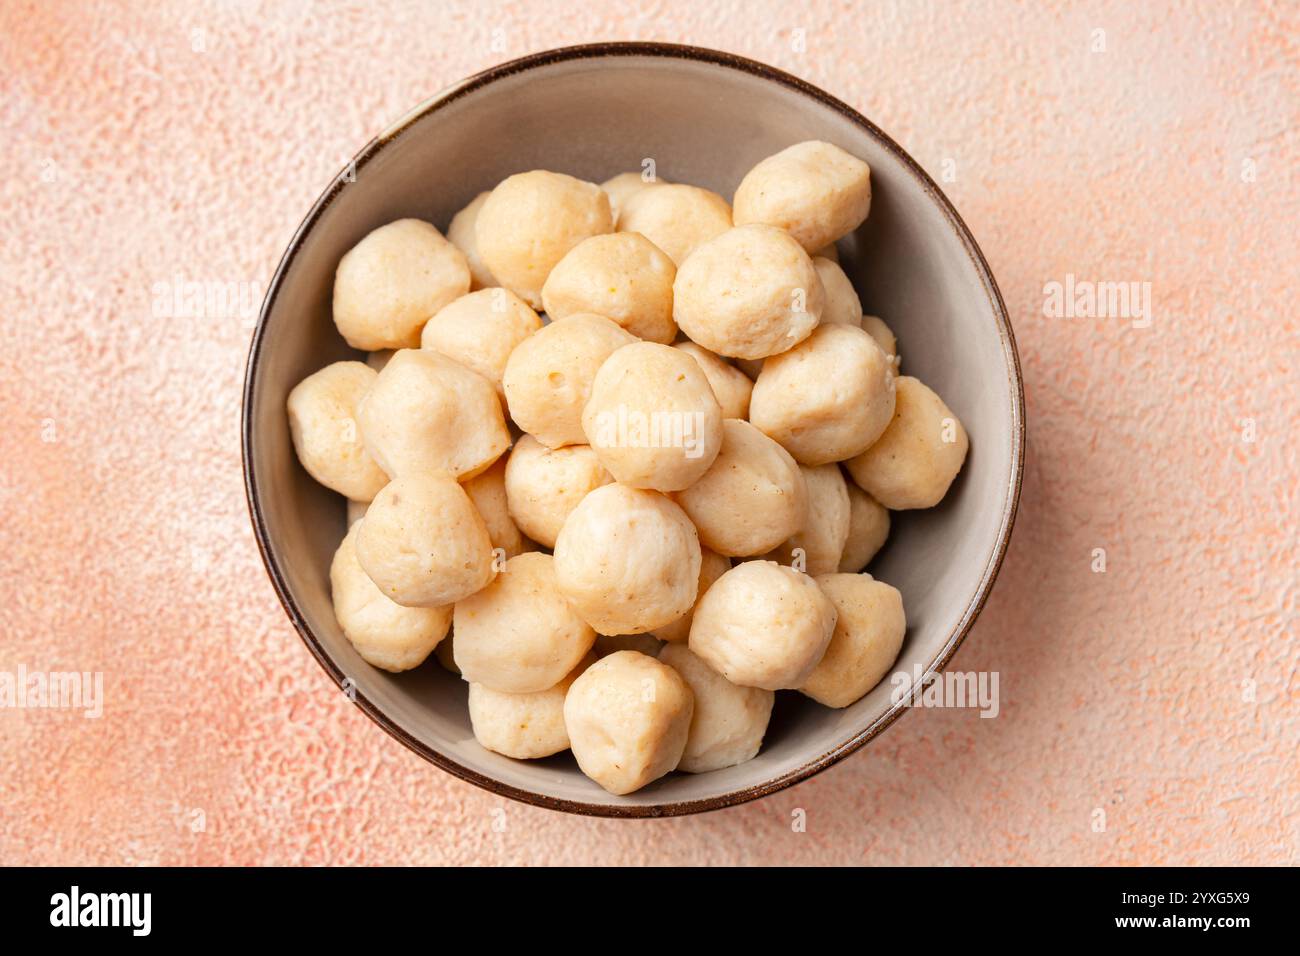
(729, 61)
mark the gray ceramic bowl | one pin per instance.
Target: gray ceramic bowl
(705, 118)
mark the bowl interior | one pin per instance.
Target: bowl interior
(704, 122)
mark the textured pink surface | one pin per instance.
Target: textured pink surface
(1163, 691)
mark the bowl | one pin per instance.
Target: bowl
(705, 118)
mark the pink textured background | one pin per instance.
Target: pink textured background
(133, 158)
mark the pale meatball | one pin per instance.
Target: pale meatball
(543, 485)
(424, 543)
(377, 360)
(628, 718)
(519, 635)
(919, 454)
(389, 283)
(819, 546)
(622, 276)
(548, 377)
(750, 293)
(628, 560)
(731, 387)
(385, 634)
(523, 726)
(826, 399)
(463, 234)
(677, 219)
(875, 326)
(712, 567)
(813, 190)
(652, 418)
(843, 307)
(531, 221)
(729, 721)
(752, 499)
(427, 413)
(488, 493)
(624, 186)
(322, 421)
(607, 644)
(868, 529)
(869, 629)
(763, 625)
(480, 330)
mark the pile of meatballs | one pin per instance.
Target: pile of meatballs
(626, 525)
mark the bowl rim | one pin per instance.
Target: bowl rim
(729, 61)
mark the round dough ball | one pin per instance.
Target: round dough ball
(531, 221)
(607, 644)
(322, 420)
(628, 718)
(750, 293)
(389, 283)
(548, 377)
(919, 454)
(813, 190)
(423, 542)
(624, 186)
(543, 485)
(652, 418)
(731, 387)
(826, 399)
(480, 330)
(622, 276)
(875, 326)
(822, 539)
(519, 635)
(752, 499)
(385, 634)
(712, 567)
(523, 726)
(868, 529)
(427, 413)
(487, 491)
(463, 235)
(763, 625)
(843, 307)
(377, 360)
(628, 560)
(677, 219)
(869, 629)
(729, 721)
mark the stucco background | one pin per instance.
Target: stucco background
(170, 141)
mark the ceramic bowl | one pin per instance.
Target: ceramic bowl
(705, 118)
